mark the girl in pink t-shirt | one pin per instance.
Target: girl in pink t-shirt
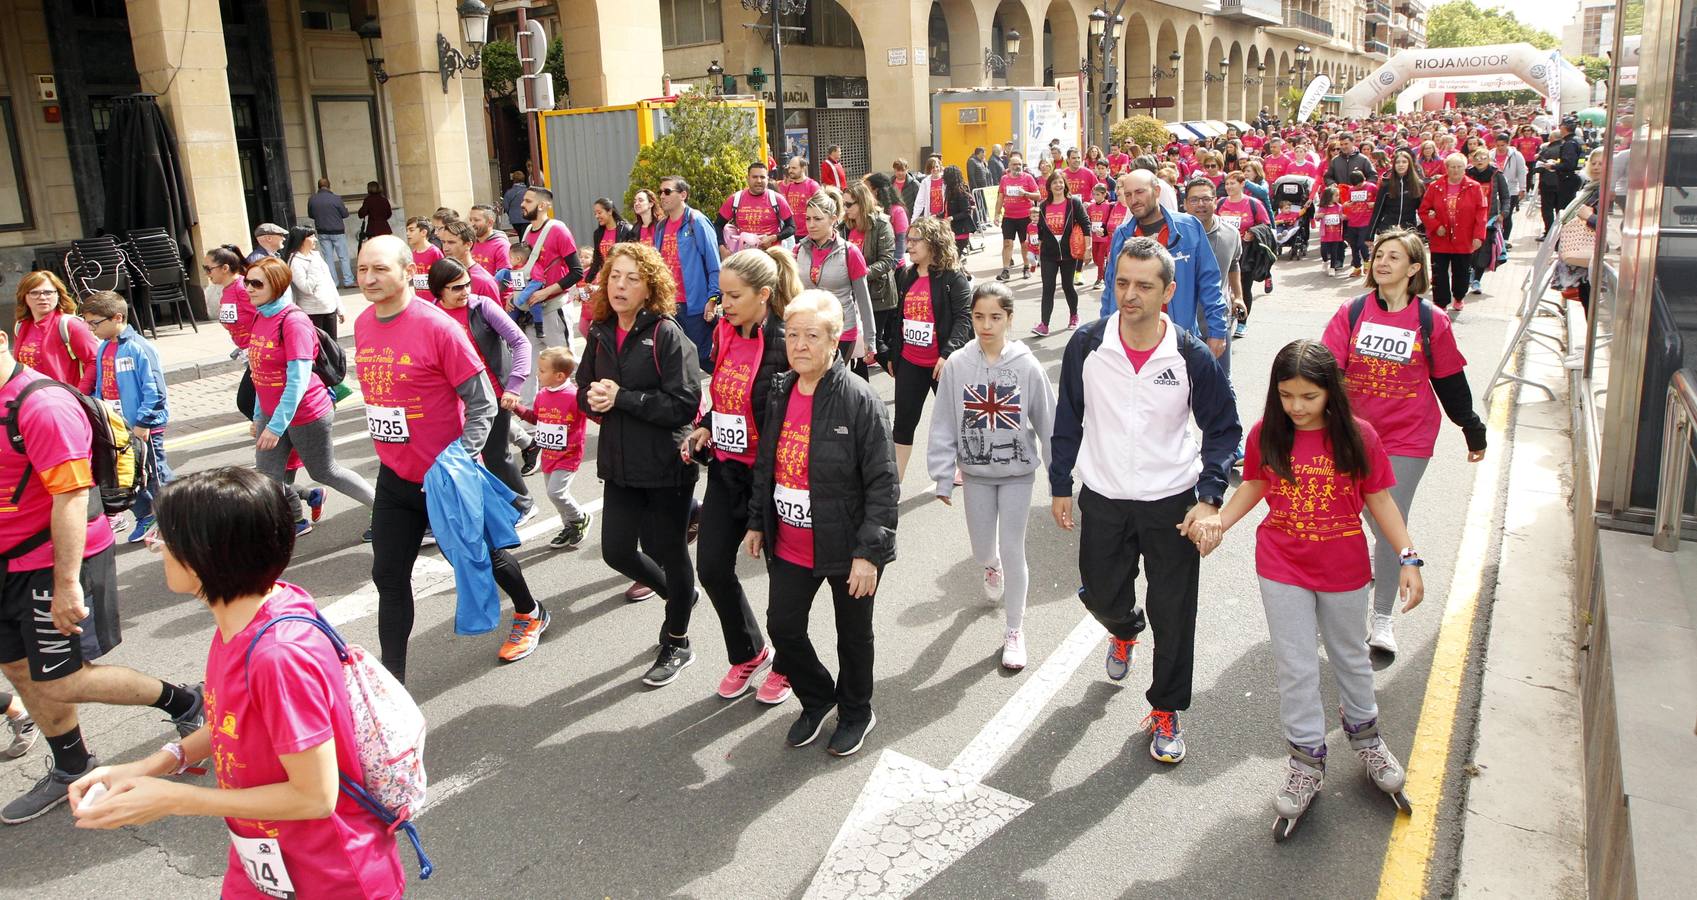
(279, 728)
(1329, 215)
(1318, 467)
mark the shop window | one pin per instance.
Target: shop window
(327, 15)
(937, 37)
(14, 195)
(686, 22)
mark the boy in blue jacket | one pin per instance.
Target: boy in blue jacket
(127, 373)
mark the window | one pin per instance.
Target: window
(937, 36)
(686, 22)
(14, 194)
(327, 15)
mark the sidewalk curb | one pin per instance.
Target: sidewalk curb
(183, 373)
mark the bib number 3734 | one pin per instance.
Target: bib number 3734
(387, 424)
(1386, 342)
(794, 506)
(262, 862)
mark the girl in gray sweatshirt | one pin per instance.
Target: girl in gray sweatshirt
(995, 411)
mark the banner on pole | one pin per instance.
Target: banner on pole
(1552, 82)
(1311, 97)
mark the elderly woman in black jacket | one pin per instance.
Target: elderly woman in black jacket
(827, 450)
(936, 311)
(755, 286)
(641, 379)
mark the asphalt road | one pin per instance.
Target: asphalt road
(563, 776)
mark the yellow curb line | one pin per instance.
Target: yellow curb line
(1408, 856)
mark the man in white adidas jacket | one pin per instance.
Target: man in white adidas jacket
(1130, 385)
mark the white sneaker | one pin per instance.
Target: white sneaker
(993, 586)
(1013, 650)
(1382, 637)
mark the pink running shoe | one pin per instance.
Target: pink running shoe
(737, 680)
(774, 690)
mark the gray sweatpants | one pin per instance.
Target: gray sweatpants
(559, 486)
(312, 442)
(996, 514)
(1294, 615)
(1386, 559)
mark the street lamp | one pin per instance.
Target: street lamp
(474, 23)
(715, 78)
(777, 9)
(1258, 77)
(1225, 67)
(370, 32)
(999, 64)
(1104, 74)
(1158, 74)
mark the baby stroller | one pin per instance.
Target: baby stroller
(1293, 234)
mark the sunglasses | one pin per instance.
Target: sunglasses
(460, 287)
(254, 283)
(669, 191)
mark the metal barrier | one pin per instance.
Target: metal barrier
(1676, 446)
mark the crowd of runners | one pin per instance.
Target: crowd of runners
(743, 348)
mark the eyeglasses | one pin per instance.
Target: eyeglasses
(43, 292)
(96, 323)
(254, 283)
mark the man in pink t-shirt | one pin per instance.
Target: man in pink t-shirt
(425, 388)
(761, 216)
(796, 187)
(1018, 190)
(490, 248)
(58, 600)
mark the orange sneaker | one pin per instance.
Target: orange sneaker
(526, 634)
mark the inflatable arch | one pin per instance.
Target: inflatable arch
(1524, 61)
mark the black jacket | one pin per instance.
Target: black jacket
(1395, 210)
(951, 308)
(622, 232)
(963, 211)
(1057, 247)
(773, 360)
(1337, 171)
(910, 190)
(851, 473)
(659, 381)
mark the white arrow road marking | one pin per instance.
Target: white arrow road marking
(912, 821)
(431, 575)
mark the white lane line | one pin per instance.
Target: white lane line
(460, 782)
(912, 821)
(431, 575)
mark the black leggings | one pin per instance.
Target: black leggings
(724, 522)
(643, 538)
(398, 520)
(1507, 221)
(1358, 238)
(1452, 275)
(1331, 253)
(790, 592)
(1547, 206)
(912, 383)
(1065, 266)
(1248, 293)
(888, 324)
(498, 456)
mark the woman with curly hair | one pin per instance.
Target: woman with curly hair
(50, 338)
(640, 377)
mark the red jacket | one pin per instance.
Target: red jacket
(831, 173)
(1457, 208)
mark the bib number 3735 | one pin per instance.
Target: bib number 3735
(1386, 342)
(387, 424)
(262, 862)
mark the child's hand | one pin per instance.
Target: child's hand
(1411, 587)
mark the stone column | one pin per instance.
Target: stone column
(179, 51)
(900, 94)
(613, 52)
(432, 154)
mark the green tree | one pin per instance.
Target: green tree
(710, 145)
(1461, 23)
(1595, 67)
(1145, 130)
(501, 70)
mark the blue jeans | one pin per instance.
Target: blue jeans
(335, 248)
(159, 474)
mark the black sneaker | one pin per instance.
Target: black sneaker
(190, 722)
(562, 540)
(52, 790)
(532, 457)
(578, 530)
(1004, 276)
(672, 659)
(366, 537)
(24, 736)
(807, 727)
(850, 736)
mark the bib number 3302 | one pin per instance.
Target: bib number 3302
(262, 862)
(1386, 342)
(387, 424)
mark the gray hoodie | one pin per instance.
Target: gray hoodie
(990, 419)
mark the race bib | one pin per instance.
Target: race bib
(795, 506)
(1333, 219)
(917, 332)
(387, 424)
(1358, 196)
(227, 313)
(730, 433)
(1386, 342)
(124, 364)
(1015, 190)
(421, 282)
(1235, 222)
(262, 861)
(550, 436)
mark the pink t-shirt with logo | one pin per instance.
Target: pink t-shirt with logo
(790, 479)
(413, 363)
(55, 431)
(797, 193)
(1386, 374)
(1312, 536)
(423, 260)
(553, 258)
(1244, 213)
(733, 394)
(916, 308)
(758, 213)
(236, 313)
(1018, 207)
(274, 343)
(39, 346)
(492, 252)
(1080, 181)
(288, 698)
(669, 253)
(557, 412)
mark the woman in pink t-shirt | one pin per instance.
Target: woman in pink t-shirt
(1318, 467)
(51, 338)
(279, 727)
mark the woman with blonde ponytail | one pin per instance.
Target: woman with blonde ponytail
(748, 350)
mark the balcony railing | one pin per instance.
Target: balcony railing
(1296, 18)
(1378, 11)
(1378, 47)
